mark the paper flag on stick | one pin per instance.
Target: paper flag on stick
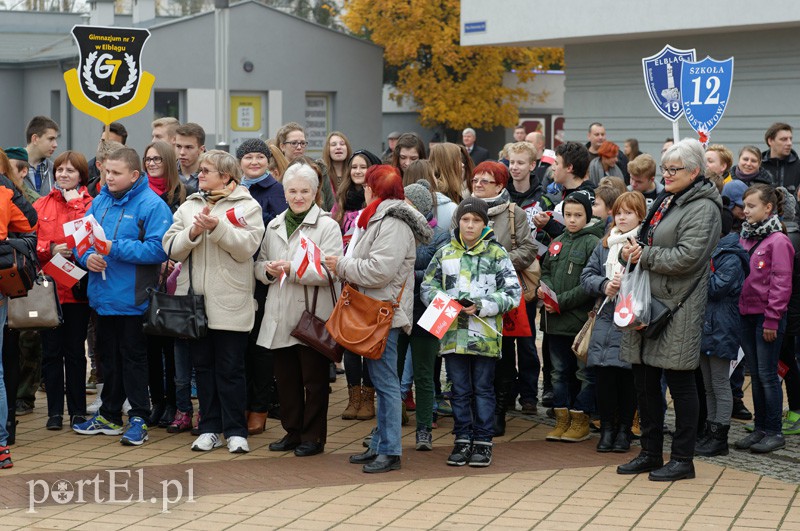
(441, 313)
(64, 272)
(550, 297)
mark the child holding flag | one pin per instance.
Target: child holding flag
(477, 272)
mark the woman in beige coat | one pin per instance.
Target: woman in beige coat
(300, 371)
(215, 234)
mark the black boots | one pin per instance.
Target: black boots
(715, 441)
(502, 391)
(606, 442)
(622, 440)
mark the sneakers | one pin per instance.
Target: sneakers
(23, 408)
(750, 440)
(126, 406)
(547, 399)
(768, 443)
(237, 445)
(424, 440)
(409, 401)
(76, 419)
(98, 424)
(528, 408)
(791, 423)
(182, 422)
(461, 454)
(443, 407)
(136, 434)
(5, 457)
(481, 454)
(94, 407)
(54, 423)
(206, 442)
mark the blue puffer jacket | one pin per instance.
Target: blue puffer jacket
(730, 265)
(606, 338)
(135, 224)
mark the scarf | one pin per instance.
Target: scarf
(157, 184)
(368, 212)
(294, 220)
(212, 196)
(616, 240)
(502, 199)
(745, 177)
(658, 216)
(762, 229)
(247, 182)
(354, 199)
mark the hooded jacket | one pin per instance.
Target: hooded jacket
(681, 252)
(769, 285)
(54, 211)
(784, 172)
(221, 260)
(380, 260)
(135, 224)
(729, 267)
(561, 271)
(483, 274)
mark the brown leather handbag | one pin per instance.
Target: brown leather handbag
(311, 329)
(360, 323)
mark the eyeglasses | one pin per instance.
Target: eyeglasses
(295, 143)
(206, 171)
(671, 171)
(154, 160)
(482, 182)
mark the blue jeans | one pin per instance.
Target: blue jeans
(183, 376)
(3, 398)
(573, 381)
(762, 359)
(383, 373)
(408, 373)
(473, 399)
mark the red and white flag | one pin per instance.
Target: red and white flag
(101, 244)
(550, 297)
(441, 313)
(236, 216)
(79, 234)
(308, 253)
(64, 272)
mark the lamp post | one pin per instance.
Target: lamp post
(221, 31)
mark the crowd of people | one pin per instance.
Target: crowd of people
(524, 239)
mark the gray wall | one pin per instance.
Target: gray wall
(12, 130)
(605, 83)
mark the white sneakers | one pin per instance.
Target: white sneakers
(237, 445)
(94, 407)
(208, 441)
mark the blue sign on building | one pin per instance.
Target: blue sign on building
(662, 77)
(705, 92)
(475, 27)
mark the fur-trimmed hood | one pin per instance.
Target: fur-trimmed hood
(423, 232)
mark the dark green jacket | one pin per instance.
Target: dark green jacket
(562, 273)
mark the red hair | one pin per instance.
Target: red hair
(498, 171)
(385, 181)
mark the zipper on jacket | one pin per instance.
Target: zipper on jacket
(119, 221)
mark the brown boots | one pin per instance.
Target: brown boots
(571, 426)
(256, 422)
(354, 404)
(361, 405)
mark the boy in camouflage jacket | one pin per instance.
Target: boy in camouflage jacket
(475, 268)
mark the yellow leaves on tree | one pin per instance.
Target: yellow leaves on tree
(453, 86)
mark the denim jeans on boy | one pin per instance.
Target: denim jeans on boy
(383, 373)
(3, 398)
(566, 372)
(183, 376)
(473, 395)
(762, 359)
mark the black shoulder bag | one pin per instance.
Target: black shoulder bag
(181, 316)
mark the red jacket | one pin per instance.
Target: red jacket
(53, 212)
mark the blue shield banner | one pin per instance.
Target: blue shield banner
(662, 77)
(705, 92)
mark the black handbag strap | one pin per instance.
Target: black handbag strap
(316, 292)
(689, 294)
(753, 248)
(163, 282)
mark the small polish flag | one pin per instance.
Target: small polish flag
(79, 234)
(550, 297)
(283, 277)
(101, 244)
(236, 216)
(308, 253)
(64, 272)
(549, 156)
(440, 314)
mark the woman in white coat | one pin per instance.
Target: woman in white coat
(300, 371)
(215, 233)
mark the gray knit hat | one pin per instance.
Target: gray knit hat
(253, 145)
(420, 197)
(473, 205)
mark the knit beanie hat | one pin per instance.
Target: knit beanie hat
(420, 197)
(253, 145)
(584, 198)
(17, 153)
(789, 205)
(473, 205)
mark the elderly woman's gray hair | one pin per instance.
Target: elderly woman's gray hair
(303, 172)
(689, 152)
(224, 163)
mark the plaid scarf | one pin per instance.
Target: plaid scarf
(658, 216)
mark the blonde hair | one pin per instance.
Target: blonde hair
(523, 147)
(224, 163)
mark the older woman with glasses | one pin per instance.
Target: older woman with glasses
(677, 238)
(215, 233)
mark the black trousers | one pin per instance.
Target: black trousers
(616, 396)
(161, 369)
(792, 378)
(64, 361)
(651, 409)
(218, 361)
(302, 376)
(261, 393)
(124, 360)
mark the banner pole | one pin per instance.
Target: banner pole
(675, 132)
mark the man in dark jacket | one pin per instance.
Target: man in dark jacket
(477, 153)
(780, 160)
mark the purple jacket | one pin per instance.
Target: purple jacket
(768, 287)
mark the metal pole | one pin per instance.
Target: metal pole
(675, 132)
(222, 25)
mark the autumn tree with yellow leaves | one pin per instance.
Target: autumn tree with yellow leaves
(453, 86)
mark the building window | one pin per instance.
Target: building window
(318, 121)
(167, 103)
